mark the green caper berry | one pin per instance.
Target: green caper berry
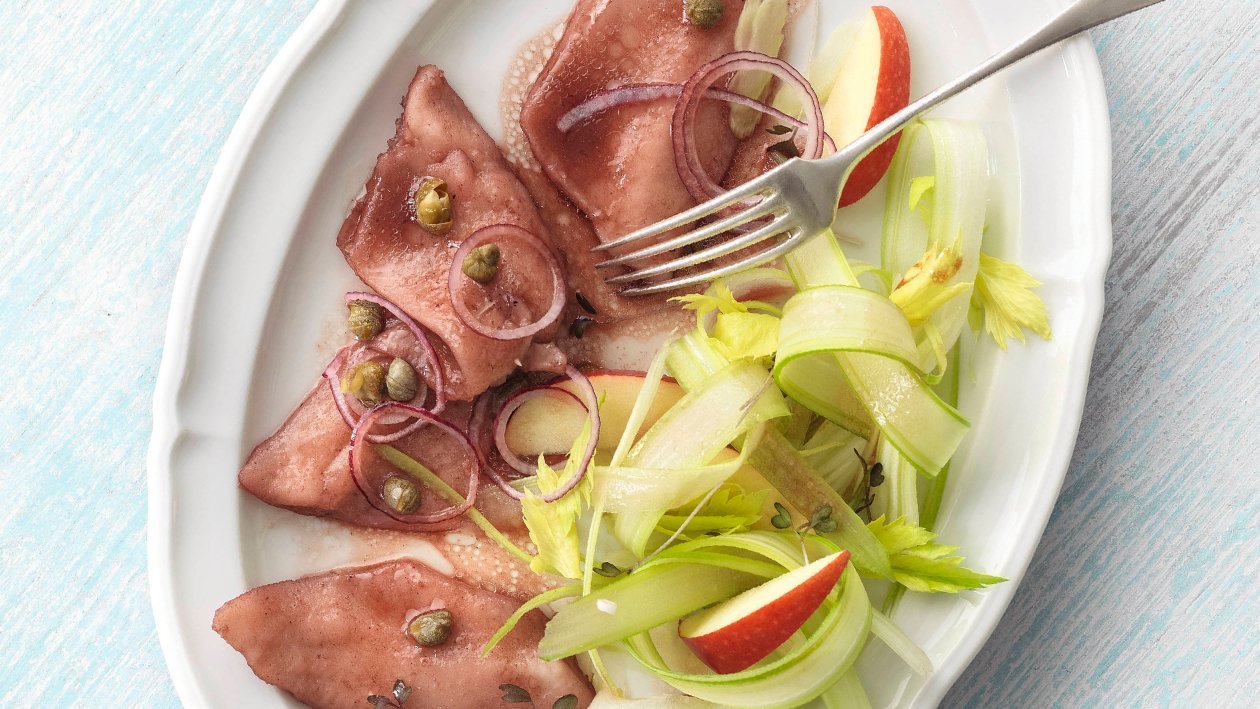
(704, 13)
(431, 629)
(400, 381)
(366, 382)
(401, 494)
(367, 319)
(433, 205)
(482, 264)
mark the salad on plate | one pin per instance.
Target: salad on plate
(705, 498)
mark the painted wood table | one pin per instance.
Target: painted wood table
(1143, 591)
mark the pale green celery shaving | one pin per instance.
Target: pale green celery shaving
(922, 566)
(1003, 298)
(919, 187)
(410, 466)
(538, 601)
(553, 525)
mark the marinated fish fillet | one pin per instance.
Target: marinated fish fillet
(333, 639)
(407, 264)
(618, 168)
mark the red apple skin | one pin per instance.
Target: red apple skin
(739, 645)
(892, 94)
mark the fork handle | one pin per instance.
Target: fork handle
(1076, 18)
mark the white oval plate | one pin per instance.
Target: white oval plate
(254, 315)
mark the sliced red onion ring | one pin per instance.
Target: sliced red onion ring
(642, 93)
(477, 420)
(434, 365)
(514, 402)
(690, 168)
(347, 407)
(362, 435)
(332, 373)
(456, 277)
(586, 395)
(361, 352)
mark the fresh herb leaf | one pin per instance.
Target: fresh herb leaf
(515, 695)
(582, 301)
(876, 474)
(1004, 300)
(865, 504)
(929, 284)
(608, 569)
(723, 301)
(751, 335)
(826, 526)
(899, 535)
(940, 575)
(568, 701)
(782, 520)
(727, 510)
(822, 514)
(820, 522)
(778, 130)
(920, 565)
(553, 525)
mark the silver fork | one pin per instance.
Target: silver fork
(800, 196)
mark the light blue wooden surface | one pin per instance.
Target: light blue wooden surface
(1143, 592)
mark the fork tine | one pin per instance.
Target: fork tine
(780, 224)
(793, 240)
(761, 209)
(699, 211)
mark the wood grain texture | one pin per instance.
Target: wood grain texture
(1142, 593)
(112, 115)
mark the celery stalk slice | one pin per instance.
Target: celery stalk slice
(643, 600)
(910, 415)
(900, 643)
(538, 601)
(413, 467)
(694, 432)
(846, 693)
(800, 675)
(789, 473)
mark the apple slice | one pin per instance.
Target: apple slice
(733, 635)
(549, 425)
(873, 83)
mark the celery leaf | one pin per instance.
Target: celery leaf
(730, 509)
(750, 335)
(940, 575)
(1004, 300)
(922, 566)
(553, 525)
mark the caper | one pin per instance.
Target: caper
(401, 494)
(367, 319)
(400, 381)
(482, 263)
(433, 205)
(366, 382)
(704, 13)
(432, 628)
